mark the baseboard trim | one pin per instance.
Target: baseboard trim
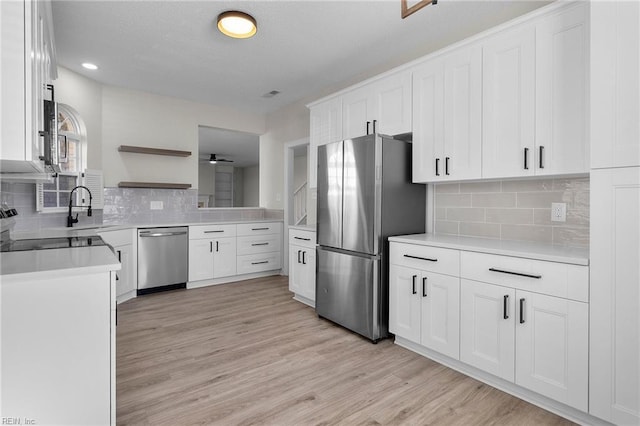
(126, 296)
(234, 278)
(548, 404)
(306, 301)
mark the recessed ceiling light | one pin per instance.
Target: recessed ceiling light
(237, 24)
(90, 66)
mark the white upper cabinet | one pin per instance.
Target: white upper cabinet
(615, 89)
(28, 67)
(382, 106)
(326, 127)
(447, 117)
(428, 121)
(562, 80)
(508, 140)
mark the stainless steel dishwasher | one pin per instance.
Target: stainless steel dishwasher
(162, 258)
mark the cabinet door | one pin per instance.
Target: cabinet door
(126, 280)
(308, 287)
(562, 60)
(463, 114)
(356, 113)
(440, 325)
(391, 99)
(428, 121)
(296, 273)
(224, 257)
(552, 347)
(508, 104)
(325, 127)
(404, 302)
(615, 295)
(614, 93)
(201, 259)
(487, 327)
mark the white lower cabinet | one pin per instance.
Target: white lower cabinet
(124, 243)
(424, 305)
(487, 336)
(539, 342)
(58, 348)
(491, 312)
(212, 258)
(302, 265)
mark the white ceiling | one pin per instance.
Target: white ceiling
(303, 48)
(242, 148)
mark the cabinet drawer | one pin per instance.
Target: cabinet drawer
(250, 263)
(211, 231)
(554, 279)
(259, 228)
(259, 244)
(302, 238)
(434, 259)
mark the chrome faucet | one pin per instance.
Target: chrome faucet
(70, 219)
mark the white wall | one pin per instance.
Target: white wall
(285, 125)
(252, 186)
(85, 96)
(132, 117)
(300, 175)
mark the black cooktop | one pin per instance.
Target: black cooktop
(51, 243)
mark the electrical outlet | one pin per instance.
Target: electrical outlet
(558, 212)
(156, 205)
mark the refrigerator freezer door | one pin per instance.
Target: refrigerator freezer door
(329, 192)
(359, 195)
(347, 291)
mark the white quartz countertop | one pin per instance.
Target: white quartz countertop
(81, 231)
(84, 260)
(528, 250)
(310, 228)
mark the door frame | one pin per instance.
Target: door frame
(288, 194)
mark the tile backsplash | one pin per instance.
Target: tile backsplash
(126, 206)
(514, 210)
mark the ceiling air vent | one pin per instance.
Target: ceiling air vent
(271, 94)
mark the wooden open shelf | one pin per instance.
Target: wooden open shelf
(154, 151)
(157, 185)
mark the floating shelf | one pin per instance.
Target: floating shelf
(154, 151)
(157, 185)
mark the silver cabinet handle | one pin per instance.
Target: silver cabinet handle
(213, 232)
(260, 229)
(259, 263)
(259, 244)
(162, 234)
(304, 239)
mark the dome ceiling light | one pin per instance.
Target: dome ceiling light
(237, 24)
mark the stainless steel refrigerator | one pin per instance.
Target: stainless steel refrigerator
(365, 195)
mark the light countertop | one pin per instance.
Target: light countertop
(79, 260)
(81, 231)
(310, 228)
(528, 250)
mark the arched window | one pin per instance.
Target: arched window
(72, 146)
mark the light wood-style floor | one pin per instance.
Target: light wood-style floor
(246, 353)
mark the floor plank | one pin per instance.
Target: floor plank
(247, 354)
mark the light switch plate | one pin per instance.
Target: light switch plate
(558, 212)
(156, 205)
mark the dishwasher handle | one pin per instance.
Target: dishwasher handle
(162, 234)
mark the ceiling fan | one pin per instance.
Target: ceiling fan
(213, 159)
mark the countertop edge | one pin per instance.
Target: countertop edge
(526, 250)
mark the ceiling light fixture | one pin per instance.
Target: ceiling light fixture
(90, 66)
(237, 24)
